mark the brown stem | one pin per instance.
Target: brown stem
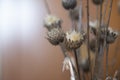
(65, 55)
(78, 69)
(73, 21)
(98, 73)
(80, 16)
(63, 49)
(107, 46)
(98, 70)
(47, 6)
(88, 29)
(105, 10)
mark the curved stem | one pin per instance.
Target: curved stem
(78, 69)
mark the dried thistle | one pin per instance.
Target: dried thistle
(73, 40)
(111, 35)
(51, 22)
(69, 4)
(97, 2)
(55, 36)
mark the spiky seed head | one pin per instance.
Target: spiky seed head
(51, 22)
(69, 4)
(97, 2)
(55, 36)
(73, 40)
(111, 35)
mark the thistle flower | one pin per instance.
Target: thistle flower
(97, 2)
(69, 4)
(51, 22)
(73, 40)
(55, 36)
(111, 35)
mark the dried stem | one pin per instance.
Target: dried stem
(63, 50)
(105, 10)
(107, 45)
(107, 51)
(80, 16)
(96, 49)
(73, 21)
(81, 30)
(98, 71)
(88, 29)
(65, 55)
(98, 74)
(78, 69)
(47, 6)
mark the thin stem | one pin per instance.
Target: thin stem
(63, 50)
(73, 21)
(81, 30)
(65, 55)
(47, 6)
(78, 69)
(107, 49)
(96, 50)
(107, 46)
(80, 16)
(109, 15)
(105, 10)
(99, 49)
(88, 29)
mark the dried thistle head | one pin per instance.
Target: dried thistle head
(73, 40)
(55, 36)
(111, 35)
(51, 22)
(94, 25)
(69, 4)
(97, 2)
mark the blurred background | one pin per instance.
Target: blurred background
(25, 54)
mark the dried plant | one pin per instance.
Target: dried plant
(97, 38)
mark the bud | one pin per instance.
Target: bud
(97, 2)
(55, 36)
(51, 22)
(69, 4)
(111, 35)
